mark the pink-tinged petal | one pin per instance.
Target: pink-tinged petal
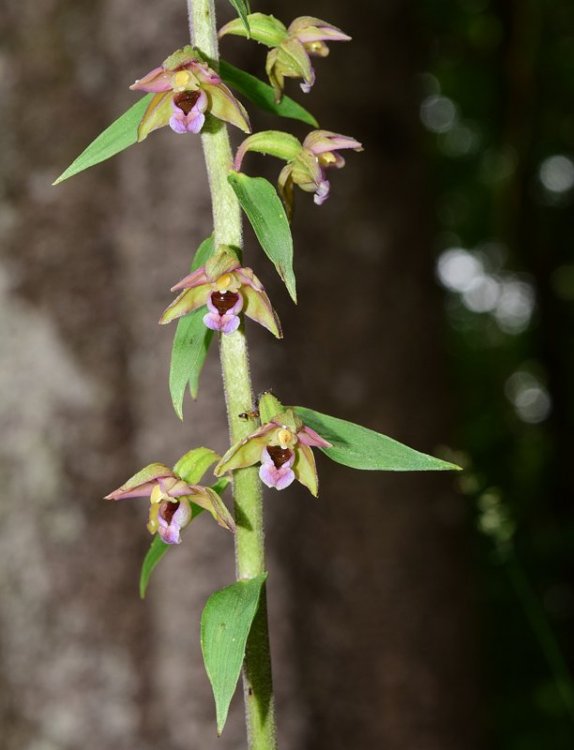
(141, 483)
(322, 193)
(196, 278)
(247, 451)
(307, 436)
(144, 490)
(156, 115)
(155, 81)
(188, 301)
(305, 469)
(258, 307)
(321, 141)
(221, 323)
(310, 29)
(204, 73)
(246, 277)
(175, 487)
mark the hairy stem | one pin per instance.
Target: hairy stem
(249, 541)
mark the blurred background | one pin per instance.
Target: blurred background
(436, 305)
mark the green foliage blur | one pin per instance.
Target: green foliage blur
(497, 101)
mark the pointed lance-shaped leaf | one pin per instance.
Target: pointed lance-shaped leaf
(190, 344)
(262, 94)
(263, 208)
(243, 10)
(261, 27)
(225, 625)
(361, 448)
(118, 136)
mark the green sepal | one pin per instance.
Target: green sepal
(272, 142)
(269, 406)
(190, 343)
(121, 134)
(263, 208)
(192, 466)
(261, 27)
(361, 448)
(261, 94)
(225, 625)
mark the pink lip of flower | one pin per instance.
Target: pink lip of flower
(225, 322)
(188, 112)
(284, 451)
(227, 289)
(170, 498)
(174, 84)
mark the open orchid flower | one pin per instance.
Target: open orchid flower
(171, 500)
(283, 447)
(185, 89)
(291, 48)
(227, 289)
(306, 162)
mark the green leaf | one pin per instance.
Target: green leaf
(190, 343)
(265, 212)
(158, 548)
(120, 135)
(361, 448)
(225, 625)
(262, 94)
(243, 10)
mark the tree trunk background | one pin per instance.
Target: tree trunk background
(369, 589)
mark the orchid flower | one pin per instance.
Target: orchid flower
(227, 289)
(306, 162)
(291, 48)
(283, 448)
(171, 500)
(186, 89)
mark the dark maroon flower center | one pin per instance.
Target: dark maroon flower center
(168, 511)
(224, 301)
(279, 455)
(186, 100)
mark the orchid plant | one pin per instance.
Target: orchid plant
(194, 91)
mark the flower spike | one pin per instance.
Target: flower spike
(291, 48)
(226, 289)
(171, 500)
(282, 446)
(306, 162)
(186, 89)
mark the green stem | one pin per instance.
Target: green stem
(249, 540)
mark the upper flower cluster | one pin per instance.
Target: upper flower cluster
(185, 89)
(291, 48)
